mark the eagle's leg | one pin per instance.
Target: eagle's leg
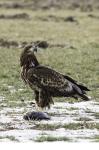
(36, 93)
(37, 99)
(43, 100)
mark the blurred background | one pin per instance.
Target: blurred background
(82, 5)
(69, 34)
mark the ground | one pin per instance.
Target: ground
(73, 50)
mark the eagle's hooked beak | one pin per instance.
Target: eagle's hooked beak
(33, 48)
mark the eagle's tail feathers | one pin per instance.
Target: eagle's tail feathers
(81, 92)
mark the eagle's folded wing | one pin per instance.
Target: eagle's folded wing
(46, 77)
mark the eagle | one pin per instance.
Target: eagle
(47, 82)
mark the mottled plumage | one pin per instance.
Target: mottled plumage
(46, 82)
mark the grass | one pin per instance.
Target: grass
(84, 124)
(84, 119)
(80, 63)
(96, 138)
(12, 138)
(51, 139)
(96, 115)
(79, 58)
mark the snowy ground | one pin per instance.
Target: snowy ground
(75, 122)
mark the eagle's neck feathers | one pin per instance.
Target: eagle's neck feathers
(28, 61)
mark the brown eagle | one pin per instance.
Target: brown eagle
(46, 82)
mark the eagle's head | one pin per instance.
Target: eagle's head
(28, 57)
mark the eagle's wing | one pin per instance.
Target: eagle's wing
(46, 77)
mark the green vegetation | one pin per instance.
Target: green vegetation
(79, 58)
(71, 126)
(12, 138)
(96, 139)
(51, 139)
(73, 50)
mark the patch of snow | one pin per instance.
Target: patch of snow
(20, 89)
(21, 135)
(5, 119)
(61, 113)
(2, 98)
(12, 89)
